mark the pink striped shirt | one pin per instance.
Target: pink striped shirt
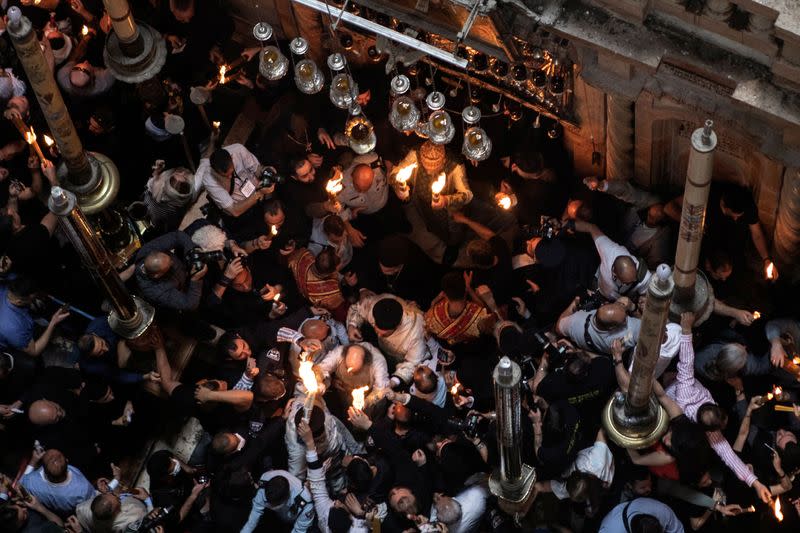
(690, 395)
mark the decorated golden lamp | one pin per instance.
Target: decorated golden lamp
(437, 187)
(358, 397)
(309, 380)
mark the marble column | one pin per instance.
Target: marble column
(619, 137)
(134, 51)
(787, 228)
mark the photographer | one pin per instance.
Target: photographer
(163, 276)
(231, 178)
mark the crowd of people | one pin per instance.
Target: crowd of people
(350, 337)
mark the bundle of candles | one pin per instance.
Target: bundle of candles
(309, 380)
(437, 187)
(334, 187)
(775, 394)
(358, 397)
(402, 177)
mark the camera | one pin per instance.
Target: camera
(590, 300)
(556, 355)
(154, 519)
(196, 258)
(468, 425)
(548, 228)
(269, 177)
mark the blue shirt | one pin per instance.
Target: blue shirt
(61, 498)
(106, 365)
(16, 324)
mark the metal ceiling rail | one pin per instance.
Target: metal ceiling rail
(377, 29)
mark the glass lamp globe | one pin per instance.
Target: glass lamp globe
(441, 129)
(273, 65)
(477, 145)
(308, 77)
(343, 91)
(404, 115)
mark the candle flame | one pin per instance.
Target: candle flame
(438, 186)
(358, 397)
(85, 30)
(48, 140)
(770, 270)
(308, 377)
(349, 369)
(756, 315)
(404, 174)
(454, 389)
(768, 396)
(30, 136)
(777, 391)
(777, 508)
(334, 185)
(222, 70)
(504, 201)
(796, 360)
(276, 297)
(274, 230)
(216, 124)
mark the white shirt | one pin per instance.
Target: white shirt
(473, 504)
(574, 328)
(374, 198)
(319, 240)
(613, 523)
(596, 460)
(608, 251)
(245, 164)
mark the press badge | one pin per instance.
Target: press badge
(248, 188)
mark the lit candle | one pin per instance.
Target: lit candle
(770, 270)
(222, 70)
(273, 230)
(783, 408)
(48, 140)
(777, 509)
(358, 397)
(756, 315)
(767, 397)
(778, 392)
(276, 298)
(30, 137)
(504, 200)
(309, 380)
(216, 125)
(438, 186)
(85, 30)
(796, 360)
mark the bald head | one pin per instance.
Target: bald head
(105, 507)
(157, 264)
(354, 358)
(448, 510)
(315, 329)
(624, 269)
(45, 413)
(363, 177)
(55, 466)
(610, 317)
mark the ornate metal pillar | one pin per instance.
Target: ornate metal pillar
(134, 52)
(619, 137)
(131, 316)
(91, 176)
(636, 420)
(513, 481)
(693, 292)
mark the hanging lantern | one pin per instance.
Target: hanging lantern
(346, 41)
(272, 64)
(500, 68)
(307, 76)
(404, 115)
(360, 132)
(519, 72)
(479, 62)
(477, 144)
(440, 128)
(514, 110)
(343, 90)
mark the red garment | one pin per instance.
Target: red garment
(669, 471)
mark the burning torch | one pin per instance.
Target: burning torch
(30, 138)
(333, 188)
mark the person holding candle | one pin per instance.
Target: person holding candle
(433, 227)
(453, 318)
(353, 366)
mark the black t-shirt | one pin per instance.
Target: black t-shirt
(722, 231)
(588, 396)
(500, 277)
